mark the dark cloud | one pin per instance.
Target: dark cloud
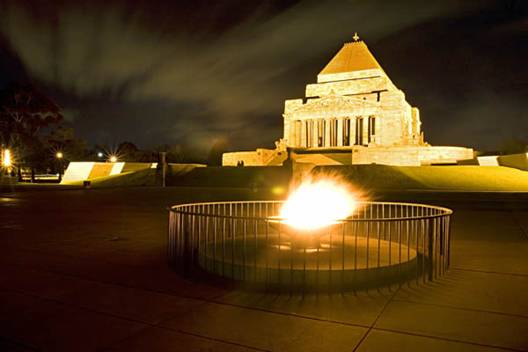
(190, 72)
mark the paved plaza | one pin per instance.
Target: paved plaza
(85, 270)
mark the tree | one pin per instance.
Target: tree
(127, 151)
(63, 139)
(24, 113)
(176, 153)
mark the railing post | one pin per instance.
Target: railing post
(430, 242)
(187, 247)
(170, 238)
(448, 242)
(425, 228)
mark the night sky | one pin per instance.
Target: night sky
(196, 72)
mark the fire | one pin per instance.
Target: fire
(317, 204)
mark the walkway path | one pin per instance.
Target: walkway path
(85, 270)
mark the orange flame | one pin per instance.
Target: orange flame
(318, 204)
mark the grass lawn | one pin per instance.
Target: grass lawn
(369, 177)
(246, 177)
(435, 178)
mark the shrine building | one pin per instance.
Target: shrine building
(354, 114)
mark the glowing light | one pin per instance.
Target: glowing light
(59, 155)
(6, 158)
(277, 190)
(113, 159)
(100, 154)
(317, 204)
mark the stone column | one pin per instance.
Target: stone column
(303, 133)
(352, 132)
(312, 132)
(297, 134)
(327, 132)
(365, 129)
(340, 133)
(315, 133)
(291, 136)
(286, 131)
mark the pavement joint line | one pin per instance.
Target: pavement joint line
(86, 309)
(205, 300)
(111, 283)
(294, 315)
(81, 307)
(376, 319)
(461, 308)
(489, 272)
(147, 324)
(220, 340)
(215, 297)
(214, 300)
(409, 333)
(116, 343)
(372, 327)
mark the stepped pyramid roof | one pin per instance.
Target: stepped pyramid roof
(353, 56)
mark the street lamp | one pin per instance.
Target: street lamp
(59, 155)
(100, 154)
(7, 162)
(113, 158)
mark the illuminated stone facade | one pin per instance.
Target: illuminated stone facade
(355, 108)
(352, 103)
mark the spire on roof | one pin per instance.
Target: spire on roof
(355, 37)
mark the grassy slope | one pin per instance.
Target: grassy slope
(518, 161)
(445, 178)
(189, 175)
(268, 176)
(381, 177)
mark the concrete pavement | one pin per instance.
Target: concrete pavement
(85, 270)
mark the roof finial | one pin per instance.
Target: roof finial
(355, 37)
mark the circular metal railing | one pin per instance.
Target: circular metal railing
(381, 243)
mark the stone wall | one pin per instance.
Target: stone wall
(397, 156)
(516, 161)
(78, 171)
(333, 77)
(348, 87)
(252, 158)
(88, 170)
(492, 160)
(358, 155)
(397, 122)
(437, 155)
(410, 155)
(259, 157)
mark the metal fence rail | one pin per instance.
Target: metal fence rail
(381, 244)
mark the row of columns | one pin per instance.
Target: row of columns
(333, 132)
